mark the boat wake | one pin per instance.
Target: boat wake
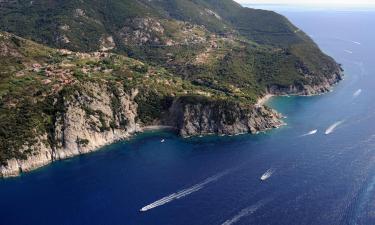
(332, 128)
(346, 40)
(267, 174)
(348, 51)
(246, 212)
(357, 93)
(184, 192)
(310, 133)
(356, 42)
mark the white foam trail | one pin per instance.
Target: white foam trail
(246, 212)
(310, 133)
(331, 128)
(356, 42)
(357, 93)
(348, 51)
(267, 174)
(183, 193)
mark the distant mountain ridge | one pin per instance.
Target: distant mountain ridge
(77, 74)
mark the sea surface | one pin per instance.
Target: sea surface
(309, 177)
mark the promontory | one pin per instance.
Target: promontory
(79, 74)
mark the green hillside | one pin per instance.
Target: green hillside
(201, 50)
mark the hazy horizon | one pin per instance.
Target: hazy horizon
(306, 5)
(309, 2)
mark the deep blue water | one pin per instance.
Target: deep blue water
(317, 179)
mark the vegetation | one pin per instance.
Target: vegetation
(82, 142)
(199, 51)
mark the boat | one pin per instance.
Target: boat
(266, 175)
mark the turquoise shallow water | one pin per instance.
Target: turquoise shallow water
(315, 179)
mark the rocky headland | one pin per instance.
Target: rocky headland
(82, 129)
(97, 72)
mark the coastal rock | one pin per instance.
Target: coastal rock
(323, 86)
(41, 157)
(99, 115)
(91, 122)
(223, 118)
(88, 123)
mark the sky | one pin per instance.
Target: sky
(310, 2)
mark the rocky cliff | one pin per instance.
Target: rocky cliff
(89, 119)
(96, 116)
(87, 122)
(220, 117)
(323, 86)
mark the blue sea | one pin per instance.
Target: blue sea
(309, 177)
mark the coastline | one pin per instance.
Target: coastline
(47, 156)
(263, 100)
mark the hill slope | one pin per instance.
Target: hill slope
(175, 33)
(105, 69)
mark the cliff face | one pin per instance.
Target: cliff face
(324, 86)
(88, 122)
(96, 116)
(219, 117)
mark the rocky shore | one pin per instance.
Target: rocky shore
(90, 122)
(324, 86)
